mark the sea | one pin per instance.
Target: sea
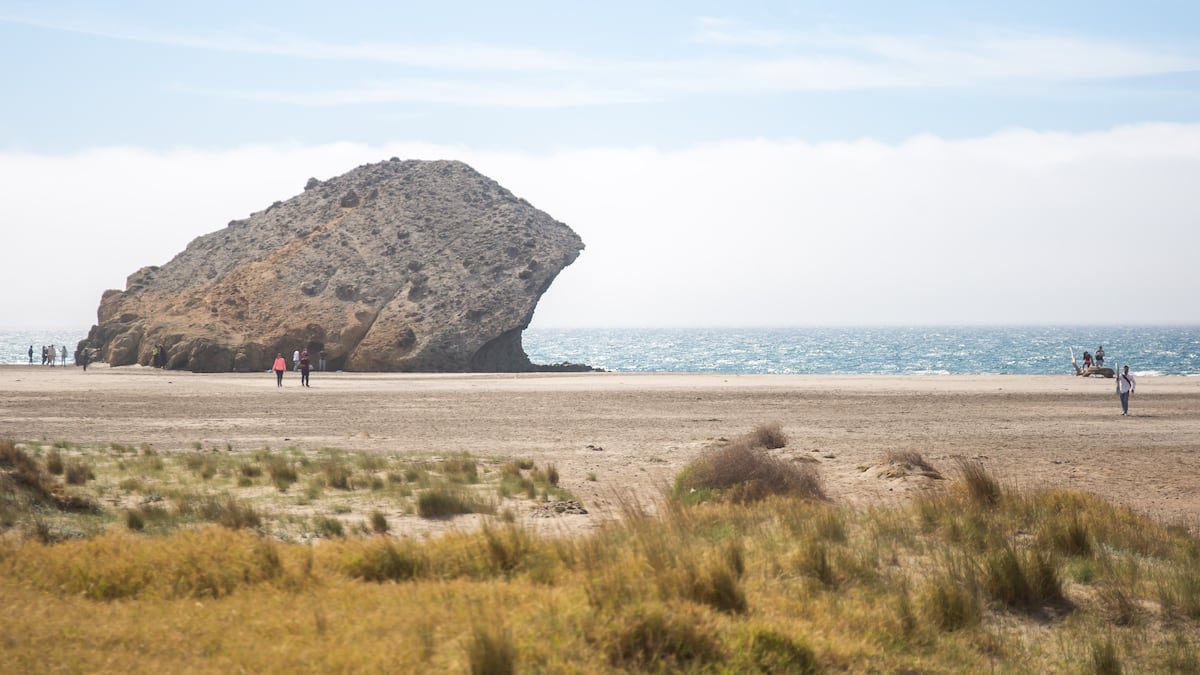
(1002, 350)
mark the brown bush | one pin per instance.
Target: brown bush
(742, 471)
(769, 436)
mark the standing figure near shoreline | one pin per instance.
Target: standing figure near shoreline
(1100, 355)
(64, 355)
(279, 367)
(49, 356)
(304, 368)
(1126, 384)
(296, 360)
(31, 355)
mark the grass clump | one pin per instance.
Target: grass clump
(77, 472)
(491, 650)
(379, 522)
(54, 463)
(383, 560)
(282, 471)
(661, 638)
(743, 471)
(443, 502)
(224, 510)
(770, 436)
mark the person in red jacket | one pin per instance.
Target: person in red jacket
(279, 367)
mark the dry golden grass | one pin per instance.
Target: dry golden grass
(964, 580)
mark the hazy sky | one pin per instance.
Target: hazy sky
(726, 164)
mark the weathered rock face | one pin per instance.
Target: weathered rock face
(395, 266)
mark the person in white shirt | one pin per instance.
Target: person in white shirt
(1126, 384)
(296, 360)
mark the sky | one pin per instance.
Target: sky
(726, 164)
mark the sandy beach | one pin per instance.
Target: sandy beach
(633, 432)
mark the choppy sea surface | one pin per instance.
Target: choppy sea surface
(1039, 350)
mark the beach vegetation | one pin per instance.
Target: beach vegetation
(744, 470)
(974, 576)
(443, 502)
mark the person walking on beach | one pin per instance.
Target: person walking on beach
(31, 355)
(296, 360)
(1100, 355)
(304, 368)
(320, 361)
(49, 357)
(1126, 384)
(279, 367)
(64, 355)
(84, 358)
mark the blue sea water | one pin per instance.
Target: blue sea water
(1038, 350)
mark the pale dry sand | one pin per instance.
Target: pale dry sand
(635, 431)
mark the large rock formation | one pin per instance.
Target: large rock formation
(395, 266)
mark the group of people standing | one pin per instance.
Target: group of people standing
(49, 355)
(1099, 358)
(300, 362)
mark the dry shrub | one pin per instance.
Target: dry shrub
(227, 511)
(21, 469)
(743, 472)
(661, 638)
(1025, 580)
(716, 580)
(769, 436)
(461, 469)
(379, 523)
(950, 605)
(78, 472)
(445, 502)
(911, 461)
(383, 560)
(981, 486)
(54, 463)
(772, 652)
(337, 474)
(282, 471)
(491, 650)
(1104, 657)
(1068, 535)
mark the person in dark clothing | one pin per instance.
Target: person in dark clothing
(304, 367)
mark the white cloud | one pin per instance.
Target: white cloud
(729, 58)
(727, 32)
(1016, 227)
